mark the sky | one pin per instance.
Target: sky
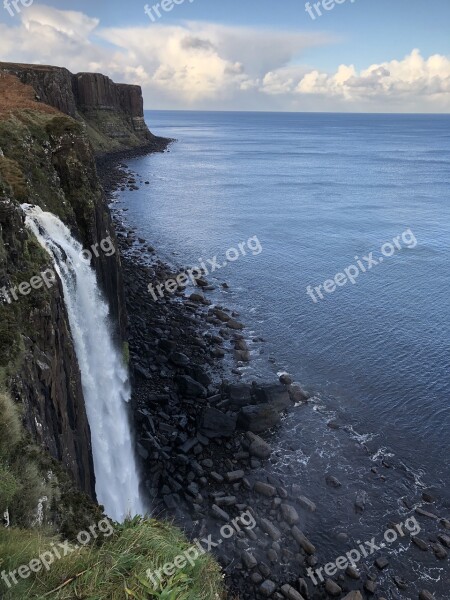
(261, 55)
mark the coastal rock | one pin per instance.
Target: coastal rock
(303, 541)
(290, 593)
(426, 595)
(332, 588)
(191, 388)
(355, 595)
(258, 418)
(216, 424)
(258, 447)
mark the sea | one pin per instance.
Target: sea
(332, 233)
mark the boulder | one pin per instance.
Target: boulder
(191, 388)
(215, 423)
(258, 447)
(258, 418)
(274, 394)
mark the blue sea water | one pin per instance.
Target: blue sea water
(319, 190)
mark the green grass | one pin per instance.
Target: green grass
(111, 568)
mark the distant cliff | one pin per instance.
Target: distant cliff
(112, 113)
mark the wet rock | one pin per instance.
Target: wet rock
(424, 513)
(298, 394)
(352, 572)
(267, 588)
(233, 324)
(307, 504)
(381, 563)
(426, 595)
(439, 551)
(258, 447)
(239, 396)
(289, 514)
(179, 359)
(249, 560)
(257, 418)
(444, 539)
(356, 595)
(216, 424)
(264, 489)
(285, 379)
(191, 388)
(370, 586)
(290, 593)
(222, 315)
(220, 514)
(269, 528)
(420, 543)
(332, 588)
(332, 481)
(242, 355)
(302, 540)
(274, 394)
(235, 476)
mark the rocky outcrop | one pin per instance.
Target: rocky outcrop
(112, 113)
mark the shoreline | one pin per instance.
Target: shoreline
(169, 419)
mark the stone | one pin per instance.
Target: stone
(370, 586)
(302, 540)
(258, 447)
(424, 513)
(285, 379)
(235, 476)
(290, 593)
(269, 528)
(239, 395)
(361, 501)
(249, 560)
(215, 423)
(191, 388)
(274, 394)
(257, 418)
(332, 588)
(439, 551)
(267, 588)
(332, 481)
(420, 543)
(355, 595)
(220, 514)
(307, 504)
(289, 514)
(352, 572)
(179, 359)
(233, 324)
(425, 595)
(381, 563)
(264, 489)
(444, 539)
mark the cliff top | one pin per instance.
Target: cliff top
(16, 96)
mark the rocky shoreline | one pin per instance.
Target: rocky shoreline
(204, 439)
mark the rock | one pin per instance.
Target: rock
(307, 504)
(356, 595)
(290, 593)
(233, 324)
(191, 388)
(235, 476)
(370, 586)
(242, 355)
(285, 379)
(298, 394)
(302, 540)
(332, 481)
(352, 572)
(425, 513)
(226, 500)
(220, 514)
(257, 418)
(179, 359)
(381, 563)
(258, 447)
(425, 595)
(249, 560)
(267, 588)
(289, 514)
(420, 543)
(239, 395)
(221, 315)
(269, 528)
(439, 551)
(332, 588)
(215, 424)
(444, 539)
(274, 394)
(445, 523)
(264, 489)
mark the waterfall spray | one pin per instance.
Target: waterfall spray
(104, 377)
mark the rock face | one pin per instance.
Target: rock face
(46, 159)
(113, 113)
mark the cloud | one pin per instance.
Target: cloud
(211, 66)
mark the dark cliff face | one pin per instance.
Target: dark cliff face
(46, 159)
(113, 113)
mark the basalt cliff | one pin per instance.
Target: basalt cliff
(52, 125)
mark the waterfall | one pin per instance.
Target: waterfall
(104, 377)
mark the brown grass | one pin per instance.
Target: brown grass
(16, 96)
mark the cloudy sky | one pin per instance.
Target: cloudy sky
(362, 55)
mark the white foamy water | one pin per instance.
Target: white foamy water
(104, 377)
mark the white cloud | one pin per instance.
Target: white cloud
(204, 65)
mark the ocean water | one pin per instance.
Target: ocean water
(320, 191)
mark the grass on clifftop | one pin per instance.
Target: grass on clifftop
(114, 569)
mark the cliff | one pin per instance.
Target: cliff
(50, 124)
(112, 114)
